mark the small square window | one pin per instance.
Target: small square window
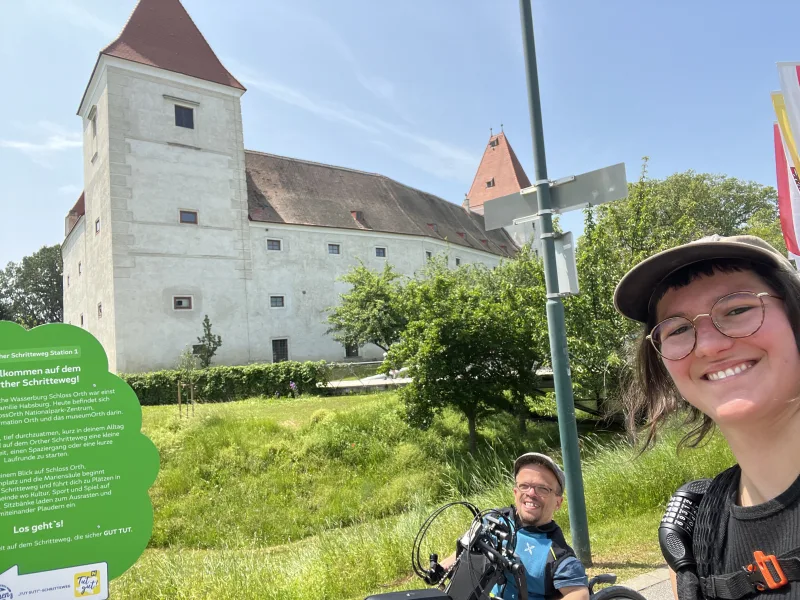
(334, 249)
(189, 217)
(380, 252)
(458, 261)
(277, 302)
(428, 255)
(99, 310)
(280, 350)
(80, 268)
(97, 226)
(351, 351)
(184, 116)
(274, 245)
(490, 183)
(494, 143)
(182, 303)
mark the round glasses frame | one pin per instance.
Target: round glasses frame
(717, 326)
(540, 490)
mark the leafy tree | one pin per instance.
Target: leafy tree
(207, 345)
(372, 312)
(657, 215)
(31, 291)
(187, 365)
(472, 341)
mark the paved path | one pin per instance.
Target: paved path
(653, 586)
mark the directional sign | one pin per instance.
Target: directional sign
(570, 193)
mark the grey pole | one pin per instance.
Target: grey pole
(565, 402)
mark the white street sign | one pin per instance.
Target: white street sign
(569, 193)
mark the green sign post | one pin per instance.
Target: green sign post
(74, 466)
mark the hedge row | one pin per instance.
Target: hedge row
(224, 384)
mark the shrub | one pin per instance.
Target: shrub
(224, 384)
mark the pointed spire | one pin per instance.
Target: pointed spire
(499, 173)
(160, 33)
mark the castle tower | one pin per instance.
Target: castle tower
(160, 236)
(499, 174)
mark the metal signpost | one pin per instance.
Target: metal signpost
(540, 201)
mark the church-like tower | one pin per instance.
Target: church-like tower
(164, 233)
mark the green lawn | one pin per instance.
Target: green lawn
(322, 497)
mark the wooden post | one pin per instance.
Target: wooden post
(191, 392)
(179, 401)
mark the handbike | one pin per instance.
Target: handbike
(484, 558)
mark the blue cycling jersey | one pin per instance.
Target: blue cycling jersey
(533, 548)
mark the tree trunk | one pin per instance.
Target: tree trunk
(523, 420)
(473, 434)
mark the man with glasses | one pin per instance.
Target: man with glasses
(551, 567)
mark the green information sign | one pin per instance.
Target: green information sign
(74, 466)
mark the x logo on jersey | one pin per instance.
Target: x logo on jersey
(529, 548)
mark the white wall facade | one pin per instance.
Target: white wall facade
(146, 170)
(306, 274)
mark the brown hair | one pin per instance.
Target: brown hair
(651, 396)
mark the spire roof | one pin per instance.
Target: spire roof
(499, 174)
(160, 33)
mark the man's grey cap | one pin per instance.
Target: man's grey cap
(535, 458)
(635, 289)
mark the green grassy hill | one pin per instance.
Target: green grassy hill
(322, 497)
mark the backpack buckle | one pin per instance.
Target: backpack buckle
(760, 574)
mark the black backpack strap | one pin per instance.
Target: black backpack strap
(767, 572)
(711, 530)
(708, 533)
(559, 551)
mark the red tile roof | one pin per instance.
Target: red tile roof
(75, 213)
(301, 192)
(500, 166)
(160, 33)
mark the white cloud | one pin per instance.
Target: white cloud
(431, 155)
(379, 87)
(54, 143)
(40, 150)
(321, 108)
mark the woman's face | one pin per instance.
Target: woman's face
(768, 361)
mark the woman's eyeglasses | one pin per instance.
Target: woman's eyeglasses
(736, 315)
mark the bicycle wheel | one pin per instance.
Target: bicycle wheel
(613, 592)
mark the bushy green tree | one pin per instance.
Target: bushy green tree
(31, 291)
(473, 340)
(372, 311)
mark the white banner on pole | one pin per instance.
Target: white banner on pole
(789, 75)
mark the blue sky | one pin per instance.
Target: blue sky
(410, 88)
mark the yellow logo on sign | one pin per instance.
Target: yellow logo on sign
(87, 584)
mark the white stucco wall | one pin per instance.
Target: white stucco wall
(158, 170)
(306, 274)
(73, 253)
(87, 251)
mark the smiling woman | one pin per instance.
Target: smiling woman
(721, 337)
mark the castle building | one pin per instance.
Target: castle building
(177, 220)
